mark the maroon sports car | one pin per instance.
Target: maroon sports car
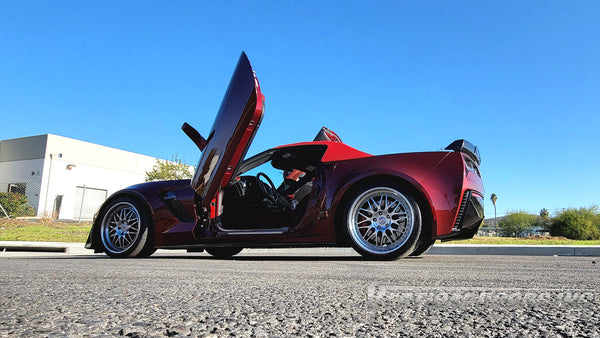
(327, 194)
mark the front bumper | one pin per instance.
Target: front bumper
(470, 216)
(92, 240)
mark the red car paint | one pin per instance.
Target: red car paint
(189, 214)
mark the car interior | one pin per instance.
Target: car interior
(253, 201)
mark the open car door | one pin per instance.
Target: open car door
(232, 132)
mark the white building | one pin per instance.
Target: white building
(67, 178)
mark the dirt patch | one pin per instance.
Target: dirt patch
(545, 238)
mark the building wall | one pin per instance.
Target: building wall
(22, 162)
(28, 172)
(23, 148)
(78, 175)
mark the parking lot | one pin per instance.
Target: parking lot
(261, 294)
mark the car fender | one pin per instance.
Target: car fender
(339, 197)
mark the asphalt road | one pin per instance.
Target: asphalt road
(264, 295)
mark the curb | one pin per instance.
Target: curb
(69, 248)
(516, 250)
(438, 249)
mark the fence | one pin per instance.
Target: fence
(80, 203)
(27, 186)
(87, 202)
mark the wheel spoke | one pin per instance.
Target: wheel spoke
(363, 215)
(373, 204)
(389, 240)
(393, 206)
(367, 210)
(374, 234)
(399, 206)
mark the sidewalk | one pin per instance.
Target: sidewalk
(438, 249)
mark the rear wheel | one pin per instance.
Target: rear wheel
(224, 252)
(124, 229)
(423, 247)
(382, 221)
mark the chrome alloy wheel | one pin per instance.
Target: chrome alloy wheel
(380, 220)
(120, 227)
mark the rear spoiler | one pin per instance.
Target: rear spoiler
(467, 148)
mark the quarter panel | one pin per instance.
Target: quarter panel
(342, 176)
(444, 186)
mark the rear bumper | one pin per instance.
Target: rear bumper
(470, 216)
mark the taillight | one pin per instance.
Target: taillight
(471, 166)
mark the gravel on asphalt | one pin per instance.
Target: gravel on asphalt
(269, 296)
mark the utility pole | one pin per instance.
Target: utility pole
(48, 184)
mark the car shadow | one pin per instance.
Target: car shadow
(204, 257)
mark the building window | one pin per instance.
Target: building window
(18, 188)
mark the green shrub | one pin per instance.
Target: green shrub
(582, 223)
(164, 170)
(15, 205)
(516, 222)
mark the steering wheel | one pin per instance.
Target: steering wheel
(269, 193)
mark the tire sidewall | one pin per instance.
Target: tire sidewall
(410, 243)
(143, 244)
(423, 246)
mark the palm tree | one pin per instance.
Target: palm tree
(494, 198)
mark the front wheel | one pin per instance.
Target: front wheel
(124, 229)
(382, 221)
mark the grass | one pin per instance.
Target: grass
(538, 240)
(52, 231)
(44, 231)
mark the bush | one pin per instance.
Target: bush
(516, 222)
(15, 205)
(582, 223)
(169, 170)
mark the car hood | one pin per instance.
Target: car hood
(235, 125)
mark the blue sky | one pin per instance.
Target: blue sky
(520, 79)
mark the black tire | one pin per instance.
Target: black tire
(382, 221)
(224, 252)
(422, 247)
(125, 229)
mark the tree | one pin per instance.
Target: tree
(164, 170)
(516, 222)
(494, 198)
(15, 205)
(544, 219)
(544, 214)
(582, 223)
